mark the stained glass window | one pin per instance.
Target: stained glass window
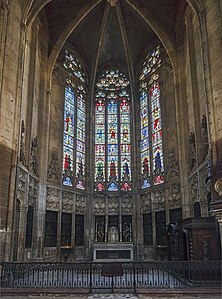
(112, 132)
(74, 123)
(151, 142)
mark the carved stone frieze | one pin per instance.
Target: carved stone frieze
(127, 205)
(113, 205)
(80, 204)
(34, 156)
(192, 151)
(145, 205)
(53, 199)
(22, 145)
(67, 202)
(100, 205)
(158, 200)
(204, 135)
(54, 172)
(33, 191)
(174, 196)
(173, 165)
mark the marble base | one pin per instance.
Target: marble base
(118, 252)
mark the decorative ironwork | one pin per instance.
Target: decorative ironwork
(112, 277)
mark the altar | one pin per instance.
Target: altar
(116, 252)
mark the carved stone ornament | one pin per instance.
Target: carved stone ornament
(218, 187)
(33, 191)
(166, 69)
(67, 202)
(60, 74)
(145, 203)
(194, 187)
(127, 205)
(100, 205)
(205, 141)
(21, 185)
(4, 4)
(158, 200)
(22, 145)
(80, 204)
(205, 185)
(174, 196)
(34, 156)
(113, 205)
(52, 199)
(192, 151)
(173, 165)
(217, 214)
(54, 173)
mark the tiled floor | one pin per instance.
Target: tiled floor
(116, 296)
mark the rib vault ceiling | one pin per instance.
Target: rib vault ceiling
(102, 31)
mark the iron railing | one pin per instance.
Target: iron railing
(112, 277)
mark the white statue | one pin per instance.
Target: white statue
(113, 235)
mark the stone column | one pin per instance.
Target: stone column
(218, 216)
(4, 10)
(22, 232)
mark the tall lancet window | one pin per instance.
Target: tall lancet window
(112, 132)
(151, 141)
(74, 123)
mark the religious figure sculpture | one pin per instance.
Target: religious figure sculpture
(113, 235)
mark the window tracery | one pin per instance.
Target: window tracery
(74, 123)
(151, 141)
(112, 132)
